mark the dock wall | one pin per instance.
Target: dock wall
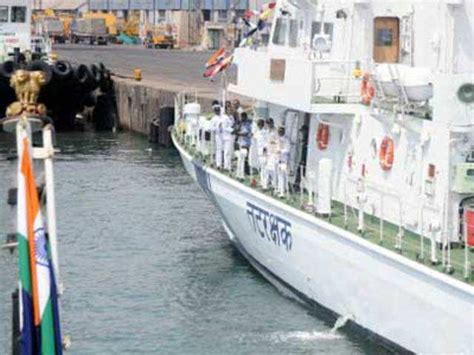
(139, 103)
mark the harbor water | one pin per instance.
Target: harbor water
(146, 265)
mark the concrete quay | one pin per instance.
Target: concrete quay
(165, 73)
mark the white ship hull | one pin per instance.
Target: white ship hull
(400, 301)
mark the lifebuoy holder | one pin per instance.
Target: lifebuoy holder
(386, 153)
(322, 136)
(367, 90)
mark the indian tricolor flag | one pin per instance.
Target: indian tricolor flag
(39, 317)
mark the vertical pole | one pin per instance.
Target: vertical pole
(449, 266)
(16, 316)
(310, 190)
(422, 237)
(301, 187)
(224, 89)
(51, 199)
(381, 217)
(360, 223)
(213, 147)
(434, 259)
(362, 199)
(345, 201)
(400, 226)
(21, 126)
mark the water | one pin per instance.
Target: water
(147, 267)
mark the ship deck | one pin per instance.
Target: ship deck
(411, 245)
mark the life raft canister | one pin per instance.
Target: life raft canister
(386, 154)
(367, 91)
(323, 136)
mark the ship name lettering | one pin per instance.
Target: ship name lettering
(270, 226)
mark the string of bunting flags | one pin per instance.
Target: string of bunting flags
(262, 17)
(221, 60)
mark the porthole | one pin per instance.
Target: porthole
(466, 93)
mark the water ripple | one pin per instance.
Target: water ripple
(146, 265)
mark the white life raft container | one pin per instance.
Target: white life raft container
(417, 82)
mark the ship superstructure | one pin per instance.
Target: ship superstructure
(418, 60)
(382, 229)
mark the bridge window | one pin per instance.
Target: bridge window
(316, 29)
(293, 42)
(18, 14)
(3, 13)
(281, 28)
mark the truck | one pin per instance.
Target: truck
(52, 28)
(160, 36)
(89, 30)
(160, 40)
(110, 21)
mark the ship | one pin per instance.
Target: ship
(377, 227)
(71, 88)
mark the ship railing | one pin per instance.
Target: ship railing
(335, 81)
(358, 209)
(369, 206)
(180, 101)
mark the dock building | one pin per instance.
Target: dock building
(204, 23)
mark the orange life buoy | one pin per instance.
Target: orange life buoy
(323, 136)
(367, 91)
(386, 154)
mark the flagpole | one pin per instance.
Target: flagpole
(22, 125)
(224, 89)
(51, 199)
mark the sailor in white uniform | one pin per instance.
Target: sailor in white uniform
(259, 144)
(253, 150)
(218, 132)
(283, 164)
(272, 156)
(229, 140)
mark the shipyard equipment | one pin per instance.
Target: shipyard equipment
(89, 30)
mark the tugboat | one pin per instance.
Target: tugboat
(378, 224)
(68, 90)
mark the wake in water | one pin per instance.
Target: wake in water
(341, 321)
(313, 335)
(305, 336)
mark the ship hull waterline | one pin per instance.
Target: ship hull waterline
(405, 305)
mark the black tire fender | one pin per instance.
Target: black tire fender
(102, 69)
(7, 69)
(96, 73)
(62, 69)
(82, 74)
